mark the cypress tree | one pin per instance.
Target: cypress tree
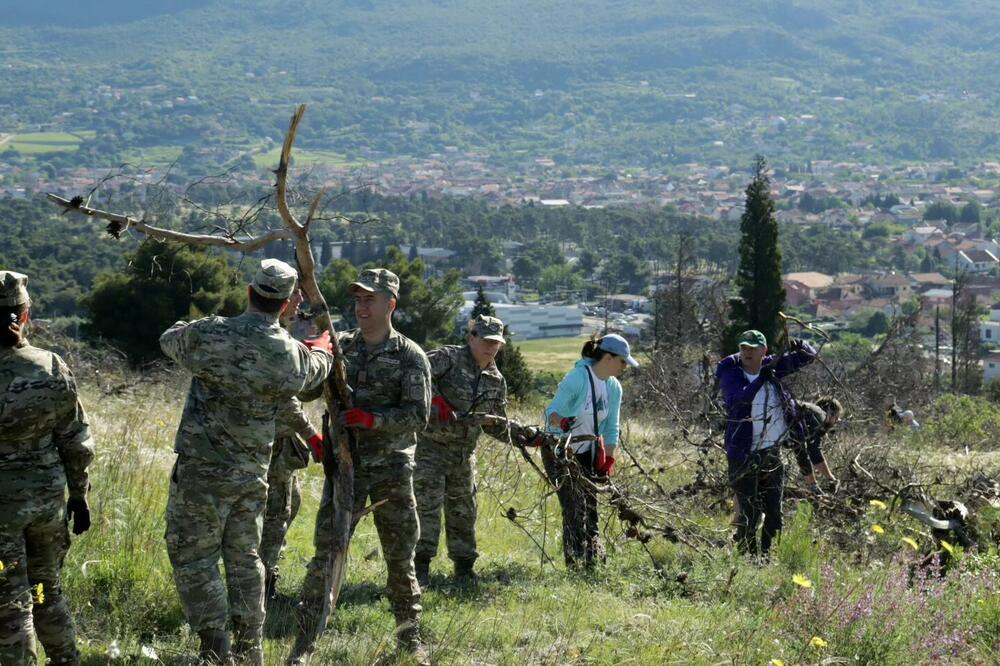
(510, 361)
(761, 292)
(482, 305)
(326, 253)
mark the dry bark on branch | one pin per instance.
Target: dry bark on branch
(339, 443)
(117, 224)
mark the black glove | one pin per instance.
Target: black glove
(767, 372)
(796, 344)
(78, 511)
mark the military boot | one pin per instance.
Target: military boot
(408, 643)
(69, 659)
(423, 567)
(307, 618)
(465, 573)
(215, 646)
(270, 586)
(248, 646)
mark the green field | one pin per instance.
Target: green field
(269, 159)
(37, 143)
(552, 354)
(161, 155)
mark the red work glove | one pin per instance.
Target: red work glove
(601, 457)
(609, 467)
(322, 342)
(536, 440)
(316, 444)
(441, 410)
(566, 424)
(358, 418)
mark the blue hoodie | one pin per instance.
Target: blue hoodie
(572, 395)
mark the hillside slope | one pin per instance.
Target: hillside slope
(589, 79)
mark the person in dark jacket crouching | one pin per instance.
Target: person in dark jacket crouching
(817, 420)
(760, 413)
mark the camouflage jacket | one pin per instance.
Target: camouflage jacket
(45, 442)
(393, 382)
(292, 430)
(467, 389)
(292, 420)
(244, 369)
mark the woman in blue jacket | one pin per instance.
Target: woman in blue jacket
(761, 415)
(587, 403)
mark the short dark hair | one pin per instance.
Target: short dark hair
(264, 304)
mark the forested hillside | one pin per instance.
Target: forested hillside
(579, 81)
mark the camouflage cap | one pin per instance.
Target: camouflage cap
(13, 288)
(274, 279)
(487, 328)
(377, 279)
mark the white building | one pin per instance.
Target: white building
(503, 284)
(991, 365)
(975, 261)
(529, 322)
(989, 331)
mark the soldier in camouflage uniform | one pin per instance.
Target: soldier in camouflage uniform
(45, 447)
(390, 379)
(294, 437)
(290, 453)
(466, 380)
(244, 369)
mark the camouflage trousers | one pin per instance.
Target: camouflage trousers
(34, 540)
(445, 476)
(212, 515)
(398, 530)
(284, 497)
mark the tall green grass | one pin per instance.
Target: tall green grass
(659, 603)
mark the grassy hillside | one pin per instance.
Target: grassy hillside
(632, 83)
(833, 592)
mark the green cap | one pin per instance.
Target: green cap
(752, 338)
(377, 279)
(13, 288)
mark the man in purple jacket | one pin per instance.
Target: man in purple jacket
(760, 413)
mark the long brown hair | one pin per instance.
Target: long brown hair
(592, 349)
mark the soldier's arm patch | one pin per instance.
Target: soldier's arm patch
(416, 385)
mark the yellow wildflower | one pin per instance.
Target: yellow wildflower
(802, 581)
(878, 504)
(817, 642)
(39, 594)
(947, 546)
(878, 529)
(911, 543)
(1, 565)
(775, 662)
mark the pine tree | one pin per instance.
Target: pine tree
(509, 361)
(482, 305)
(761, 293)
